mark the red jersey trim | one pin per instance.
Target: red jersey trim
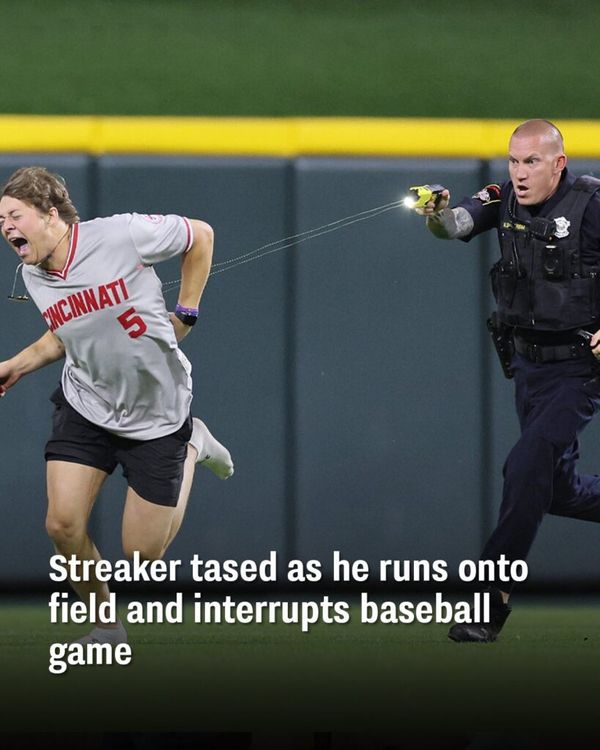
(70, 254)
(190, 234)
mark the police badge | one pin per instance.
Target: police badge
(562, 227)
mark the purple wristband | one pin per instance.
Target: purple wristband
(186, 310)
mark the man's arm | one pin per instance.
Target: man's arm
(195, 267)
(49, 348)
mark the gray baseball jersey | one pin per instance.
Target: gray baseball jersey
(123, 368)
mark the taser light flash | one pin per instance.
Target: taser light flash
(420, 195)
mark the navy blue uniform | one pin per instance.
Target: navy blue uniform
(555, 400)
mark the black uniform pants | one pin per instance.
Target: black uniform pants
(554, 401)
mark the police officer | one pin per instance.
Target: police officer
(547, 288)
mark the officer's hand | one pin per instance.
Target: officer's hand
(595, 344)
(181, 330)
(433, 207)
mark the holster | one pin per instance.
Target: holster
(502, 338)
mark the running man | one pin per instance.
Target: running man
(126, 388)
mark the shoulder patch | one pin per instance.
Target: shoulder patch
(489, 194)
(153, 218)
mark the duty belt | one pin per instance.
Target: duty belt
(541, 353)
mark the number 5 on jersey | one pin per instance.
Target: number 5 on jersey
(132, 323)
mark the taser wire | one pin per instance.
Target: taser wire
(295, 239)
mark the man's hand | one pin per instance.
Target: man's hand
(181, 330)
(434, 207)
(8, 377)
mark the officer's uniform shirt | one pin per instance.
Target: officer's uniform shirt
(123, 368)
(484, 207)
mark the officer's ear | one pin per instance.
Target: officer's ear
(561, 162)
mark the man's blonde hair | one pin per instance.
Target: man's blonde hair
(43, 190)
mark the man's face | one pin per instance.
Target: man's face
(535, 168)
(24, 228)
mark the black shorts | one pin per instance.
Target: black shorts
(153, 468)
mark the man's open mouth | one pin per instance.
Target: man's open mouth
(20, 244)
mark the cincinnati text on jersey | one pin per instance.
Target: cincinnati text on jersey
(84, 302)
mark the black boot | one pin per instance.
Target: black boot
(483, 632)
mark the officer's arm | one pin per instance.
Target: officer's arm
(444, 222)
(450, 223)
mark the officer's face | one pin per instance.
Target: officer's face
(535, 167)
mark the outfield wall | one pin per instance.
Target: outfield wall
(278, 136)
(351, 375)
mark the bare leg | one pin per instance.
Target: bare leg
(149, 528)
(218, 461)
(72, 491)
(184, 495)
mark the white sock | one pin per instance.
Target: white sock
(105, 635)
(211, 453)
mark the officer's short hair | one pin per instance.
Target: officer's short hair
(530, 124)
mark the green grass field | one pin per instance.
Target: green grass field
(301, 57)
(542, 675)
